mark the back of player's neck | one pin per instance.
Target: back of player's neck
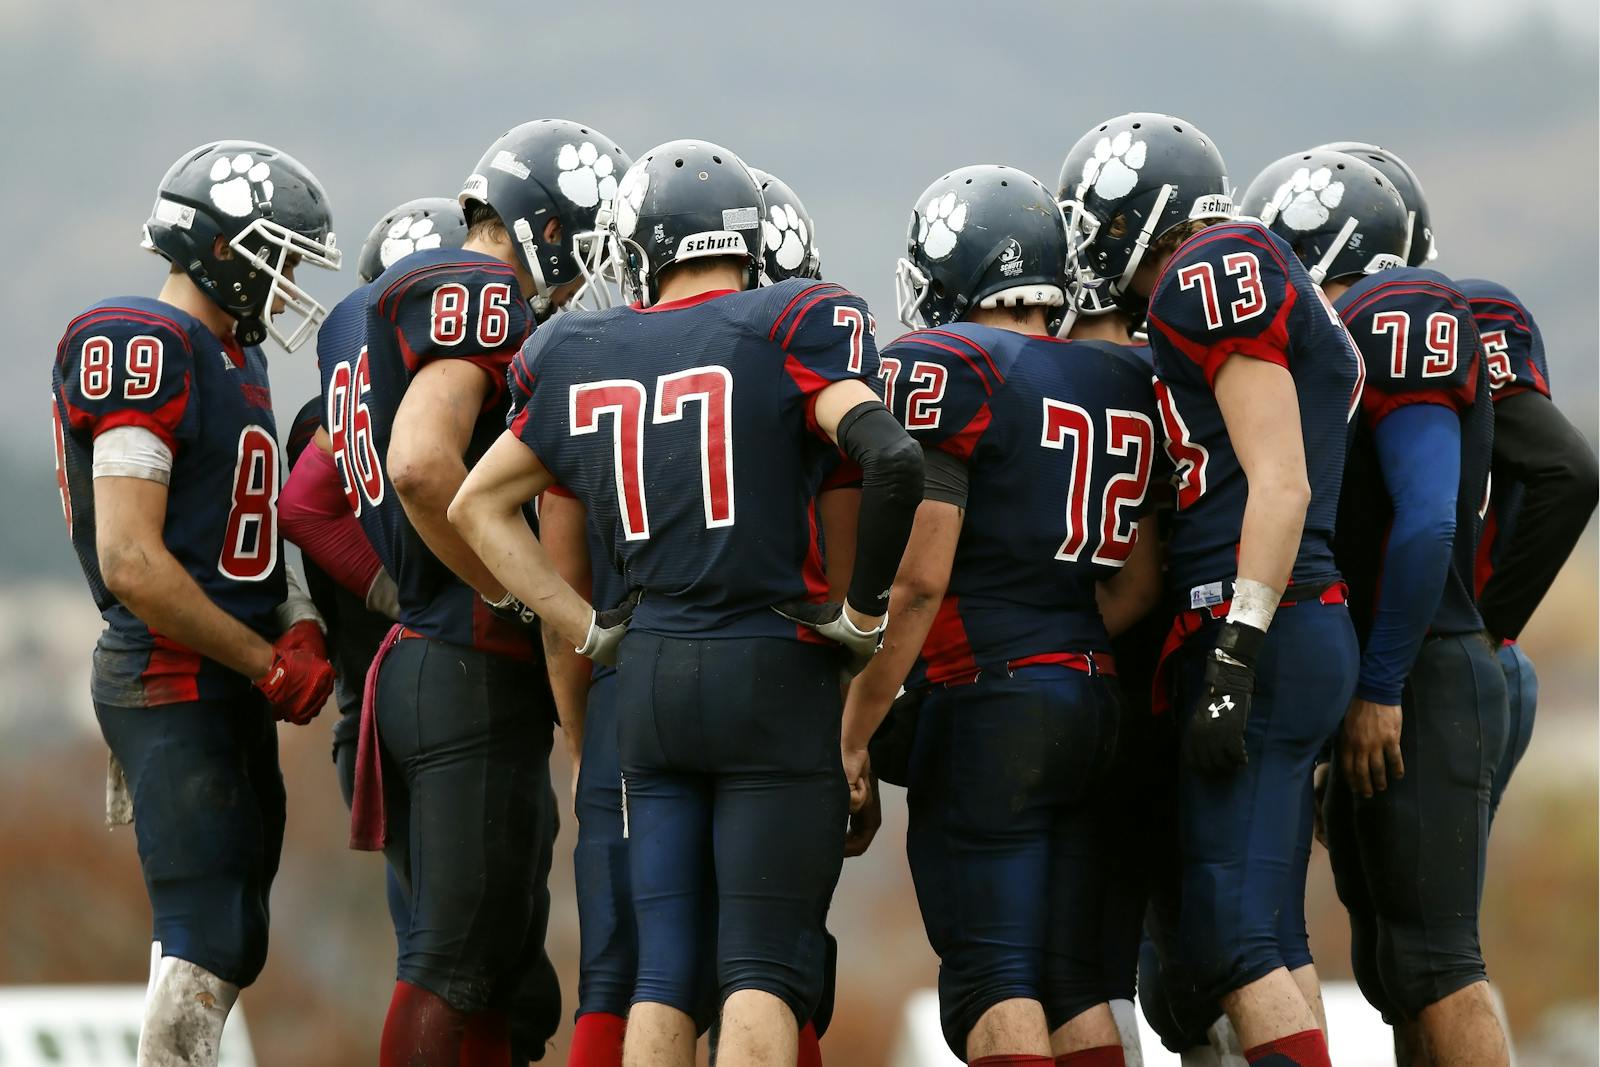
(1002, 319)
(1110, 327)
(688, 287)
(180, 291)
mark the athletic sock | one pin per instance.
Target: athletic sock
(1018, 1060)
(421, 1030)
(486, 1041)
(597, 1040)
(1099, 1056)
(1308, 1048)
(810, 1051)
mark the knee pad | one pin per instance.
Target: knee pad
(218, 923)
(964, 995)
(1418, 971)
(184, 1014)
(1173, 1006)
(1364, 964)
(534, 1010)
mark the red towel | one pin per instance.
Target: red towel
(369, 827)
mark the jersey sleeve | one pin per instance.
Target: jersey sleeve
(533, 413)
(938, 384)
(1419, 344)
(470, 311)
(1512, 344)
(1227, 293)
(826, 335)
(123, 367)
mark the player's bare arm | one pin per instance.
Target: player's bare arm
(563, 533)
(1261, 410)
(1131, 594)
(130, 514)
(487, 513)
(432, 429)
(919, 587)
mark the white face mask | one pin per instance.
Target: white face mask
(307, 312)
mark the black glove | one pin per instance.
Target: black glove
(607, 629)
(511, 608)
(831, 622)
(1214, 742)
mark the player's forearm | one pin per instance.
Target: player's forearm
(563, 532)
(1132, 592)
(1261, 411)
(494, 530)
(1274, 518)
(569, 682)
(152, 584)
(838, 510)
(426, 486)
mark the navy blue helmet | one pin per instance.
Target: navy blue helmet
(684, 200)
(427, 222)
(1423, 249)
(789, 237)
(1130, 180)
(1341, 216)
(273, 216)
(982, 236)
(542, 170)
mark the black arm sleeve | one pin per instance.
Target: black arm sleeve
(1535, 444)
(944, 478)
(891, 489)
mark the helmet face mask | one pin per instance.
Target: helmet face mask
(271, 213)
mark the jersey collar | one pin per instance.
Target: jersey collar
(688, 301)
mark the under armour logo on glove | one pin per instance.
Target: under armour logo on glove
(1217, 709)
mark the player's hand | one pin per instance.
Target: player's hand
(1319, 792)
(511, 609)
(305, 635)
(864, 821)
(606, 631)
(858, 776)
(297, 684)
(861, 639)
(1214, 742)
(1369, 752)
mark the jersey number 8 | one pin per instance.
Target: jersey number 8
(350, 430)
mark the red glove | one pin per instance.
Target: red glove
(306, 636)
(299, 681)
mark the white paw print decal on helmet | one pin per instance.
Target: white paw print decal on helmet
(786, 236)
(586, 177)
(1113, 170)
(942, 220)
(233, 181)
(1305, 201)
(407, 235)
(630, 195)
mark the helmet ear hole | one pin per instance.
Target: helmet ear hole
(1117, 228)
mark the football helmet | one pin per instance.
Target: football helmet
(982, 236)
(1130, 180)
(679, 201)
(272, 213)
(428, 222)
(542, 170)
(1340, 215)
(1423, 249)
(789, 237)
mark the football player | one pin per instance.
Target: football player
(694, 428)
(585, 695)
(1256, 383)
(167, 462)
(458, 733)
(1543, 479)
(1038, 455)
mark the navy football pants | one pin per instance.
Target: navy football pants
(735, 811)
(466, 739)
(1409, 862)
(208, 806)
(1245, 840)
(1004, 844)
(1522, 702)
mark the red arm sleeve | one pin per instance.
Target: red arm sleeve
(316, 516)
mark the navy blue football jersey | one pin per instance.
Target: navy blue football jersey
(1237, 289)
(687, 430)
(1420, 342)
(139, 362)
(431, 305)
(1060, 443)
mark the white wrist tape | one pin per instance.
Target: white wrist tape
(1254, 603)
(297, 606)
(132, 452)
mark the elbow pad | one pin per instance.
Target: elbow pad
(891, 489)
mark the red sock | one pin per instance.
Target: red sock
(1099, 1056)
(421, 1030)
(597, 1040)
(810, 1051)
(1012, 1061)
(486, 1042)
(1308, 1048)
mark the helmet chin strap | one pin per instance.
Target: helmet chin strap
(1320, 270)
(540, 301)
(911, 292)
(1142, 243)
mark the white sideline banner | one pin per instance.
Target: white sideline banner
(90, 1026)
